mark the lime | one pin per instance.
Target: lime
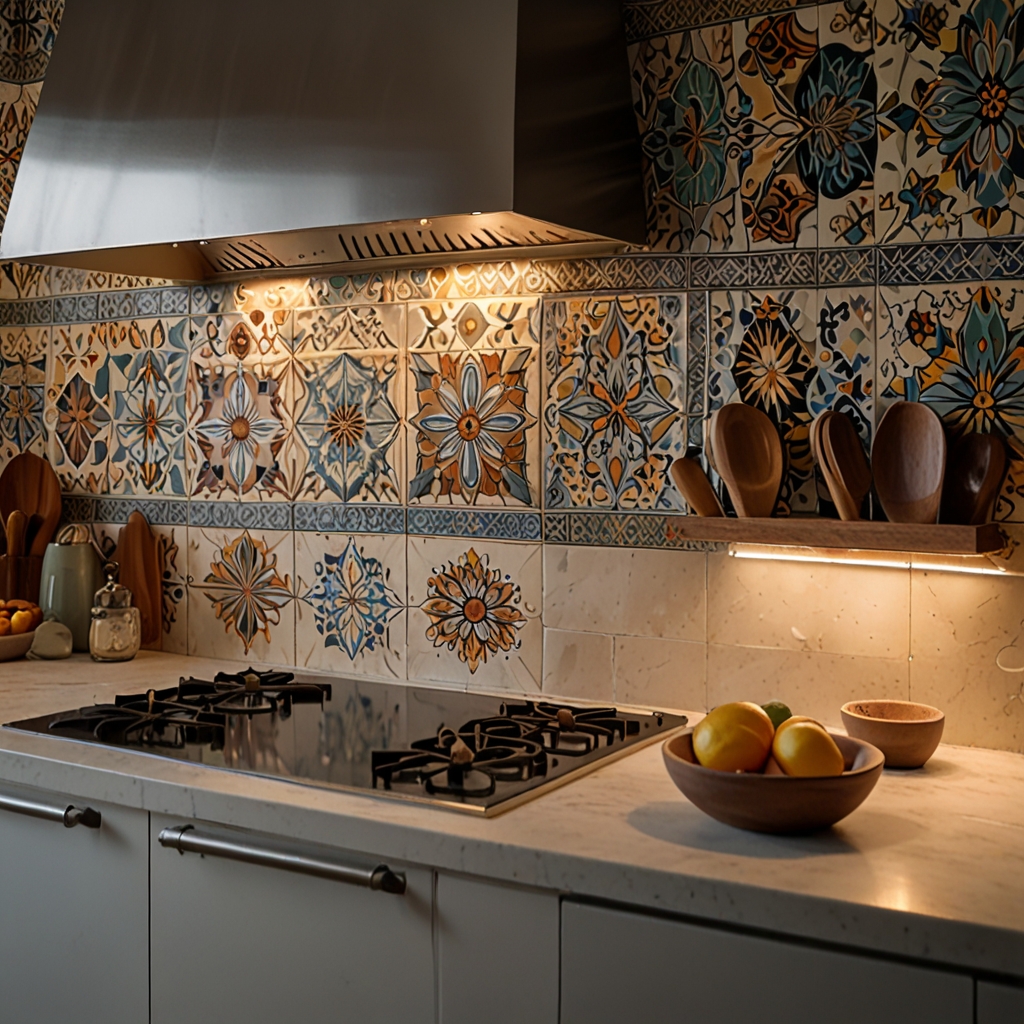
(777, 712)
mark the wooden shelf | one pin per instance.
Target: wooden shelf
(810, 531)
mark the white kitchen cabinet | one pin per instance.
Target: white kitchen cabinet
(1000, 1004)
(622, 966)
(237, 941)
(497, 952)
(74, 918)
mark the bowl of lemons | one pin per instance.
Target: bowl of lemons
(765, 769)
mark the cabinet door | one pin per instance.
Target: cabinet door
(74, 920)
(236, 941)
(1000, 1004)
(497, 952)
(619, 966)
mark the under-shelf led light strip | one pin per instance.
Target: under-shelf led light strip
(782, 554)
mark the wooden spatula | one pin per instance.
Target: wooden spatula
(848, 471)
(814, 437)
(689, 476)
(29, 484)
(748, 456)
(908, 460)
(141, 574)
(974, 473)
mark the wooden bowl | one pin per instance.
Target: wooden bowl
(775, 803)
(905, 732)
(15, 645)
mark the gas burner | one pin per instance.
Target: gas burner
(572, 731)
(194, 711)
(513, 746)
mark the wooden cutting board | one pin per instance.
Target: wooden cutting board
(141, 573)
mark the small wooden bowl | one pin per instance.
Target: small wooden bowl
(907, 733)
(775, 803)
(15, 645)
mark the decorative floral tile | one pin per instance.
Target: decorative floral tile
(243, 389)
(77, 407)
(473, 434)
(23, 352)
(474, 613)
(492, 324)
(23, 355)
(322, 331)
(688, 108)
(961, 350)
(21, 420)
(790, 87)
(18, 102)
(759, 133)
(171, 553)
(841, 124)
(23, 281)
(616, 399)
(241, 602)
(149, 361)
(951, 109)
(350, 617)
(763, 354)
(350, 427)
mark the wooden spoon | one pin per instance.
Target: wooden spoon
(695, 487)
(848, 471)
(909, 461)
(814, 437)
(140, 573)
(17, 523)
(748, 455)
(974, 474)
(29, 484)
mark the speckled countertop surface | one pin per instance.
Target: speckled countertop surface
(930, 867)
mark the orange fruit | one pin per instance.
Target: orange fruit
(803, 747)
(734, 737)
(21, 622)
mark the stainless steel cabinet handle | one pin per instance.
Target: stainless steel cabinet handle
(187, 839)
(69, 815)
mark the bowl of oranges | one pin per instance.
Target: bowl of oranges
(765, 769)
(18, 621)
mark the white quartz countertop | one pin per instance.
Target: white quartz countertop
(931, 866)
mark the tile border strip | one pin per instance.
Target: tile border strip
(948, 262)
(158, 511)
(643, 19)
(338, 518)
(466, 522)
(619, 530)
(240, 515)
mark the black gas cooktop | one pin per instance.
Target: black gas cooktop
(461, 750)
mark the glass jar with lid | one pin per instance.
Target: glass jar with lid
(115, 633)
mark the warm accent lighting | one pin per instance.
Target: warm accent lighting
(973, 565)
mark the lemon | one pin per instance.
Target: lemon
(777, 712)
(734, 737)
(803, 747)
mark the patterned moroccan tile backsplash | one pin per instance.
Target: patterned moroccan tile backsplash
(459, 475)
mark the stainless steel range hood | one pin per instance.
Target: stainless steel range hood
(200, 139)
